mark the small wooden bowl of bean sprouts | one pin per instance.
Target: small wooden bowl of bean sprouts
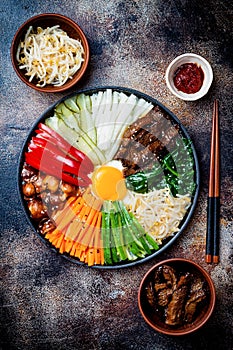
(50, 52)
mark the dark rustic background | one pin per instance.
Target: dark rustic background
(50, 303)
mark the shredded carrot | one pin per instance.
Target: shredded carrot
(76, 225)
(83, 255)
(101, 253)
(70, 215)
(78, 229)
(54, 233)
(73, 230)
(53, 236)
(90, 216)
(87, 232)
(79, 250)
(59, 215)
(74, 246)
(62, 246)
(97, 241)
(90, 259)
(54, 241)
(68, 245)
(59, 241)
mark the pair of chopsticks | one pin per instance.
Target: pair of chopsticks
(212, 234)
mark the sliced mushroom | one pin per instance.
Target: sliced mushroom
(37, 209)
(29, 190)
(46, 225)
(68, 188)
(51, 183)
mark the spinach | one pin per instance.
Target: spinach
(176, 170)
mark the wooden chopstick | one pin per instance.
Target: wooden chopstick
(212, 234)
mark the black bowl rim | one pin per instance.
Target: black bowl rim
(205, 318)
(148, 98)
(68, 85)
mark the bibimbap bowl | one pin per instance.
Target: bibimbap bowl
(108, 177)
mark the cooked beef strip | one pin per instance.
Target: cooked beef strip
(147, 138)
(139, 135)
(164, 296)
(171, 134)
(159, 286)
(142, 157)
(150, 295)
(146, 141)
(138, 156)
(169, 276)
(158, 275)
(174, 315)
(123, 149)
(155, 116)
(165, 283)
(156, 147)
(197, 295)
(130, 170)
(176, 298)
(152, 121)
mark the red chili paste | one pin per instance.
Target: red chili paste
(189, 78)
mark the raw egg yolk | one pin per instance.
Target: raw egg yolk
(108, 183)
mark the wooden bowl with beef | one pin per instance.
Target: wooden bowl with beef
(176, 297)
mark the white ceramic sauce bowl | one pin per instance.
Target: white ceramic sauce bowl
(189, 58)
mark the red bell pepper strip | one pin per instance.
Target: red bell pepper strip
(48, 158)
(52, 154)
(45, 156)
(39, 141)
(56, 153)
(36, 144)
(51, 170)
(61, 142)
(45, 136)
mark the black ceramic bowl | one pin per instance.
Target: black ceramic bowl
(173, 122)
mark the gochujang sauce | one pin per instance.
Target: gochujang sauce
(189, 78)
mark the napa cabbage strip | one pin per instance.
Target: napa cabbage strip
(95, 123)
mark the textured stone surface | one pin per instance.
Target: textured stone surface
(50, 303)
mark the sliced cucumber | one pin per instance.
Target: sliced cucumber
(71, 104)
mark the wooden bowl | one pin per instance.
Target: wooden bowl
(161, 317)
(48, 20)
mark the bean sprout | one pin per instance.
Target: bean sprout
(49, 55)
(158, 211)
